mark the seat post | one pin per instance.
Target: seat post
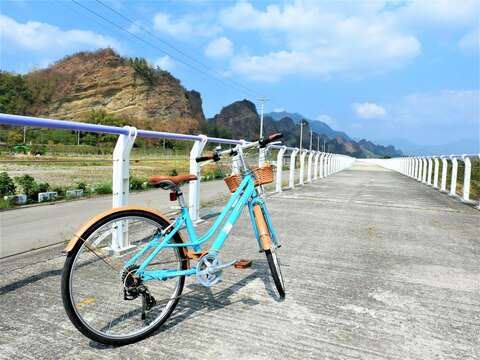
(180, 198)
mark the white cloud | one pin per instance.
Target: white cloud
(470, 42)
(279, 110)
(220, 47)
(183, 27)
(321, 39)
(38, 37)
(165, 63)
(440, 13)
(369, 110)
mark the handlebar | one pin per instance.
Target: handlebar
(262, 143)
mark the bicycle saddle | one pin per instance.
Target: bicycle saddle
(170, 182)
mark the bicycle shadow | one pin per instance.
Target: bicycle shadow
(205, 300)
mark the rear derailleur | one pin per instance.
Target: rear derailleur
(133, 288)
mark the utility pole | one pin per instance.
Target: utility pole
(78, 137)
(323, 144)
(24, 134)
(301, 134)
(311, 137)
(262, 105)
(318, 142)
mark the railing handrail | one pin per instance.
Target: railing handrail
(21, 120)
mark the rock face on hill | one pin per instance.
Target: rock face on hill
(130, 89)
(241, 118)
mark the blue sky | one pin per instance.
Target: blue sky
(390, 71)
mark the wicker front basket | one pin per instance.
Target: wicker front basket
(264, 175)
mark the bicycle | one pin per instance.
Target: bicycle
(116, 268)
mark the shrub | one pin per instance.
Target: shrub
(82, 186)
(173, 172)
(59, 190)
(136, 183)
(38, 149)
(28, 185)
(5, 204)
(7, 186)
(103, 188)
(43, 187)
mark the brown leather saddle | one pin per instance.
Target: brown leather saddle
(170, 182)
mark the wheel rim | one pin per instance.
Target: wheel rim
(96, 290)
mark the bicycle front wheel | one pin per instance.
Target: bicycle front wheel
(274, 265)
(95, 279)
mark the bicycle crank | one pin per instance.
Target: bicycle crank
(209, 269)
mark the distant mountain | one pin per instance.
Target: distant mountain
(241, 120)
(318, 126)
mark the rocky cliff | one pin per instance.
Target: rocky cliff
(127, 88)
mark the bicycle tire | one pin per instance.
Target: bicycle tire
(67, 273)
(275, 270)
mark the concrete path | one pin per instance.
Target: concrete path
(377, 266)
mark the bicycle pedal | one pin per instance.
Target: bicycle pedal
(243, 264)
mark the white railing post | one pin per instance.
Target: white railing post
(315, 167)
(418, 175)
(321, 170)
(466, 178)
(309, 169)
(121, 187)
(279, 179)
(412, 167)
(453, 182)
(302, 166)
(194, 186)
(424, 173)
(430, 165)
(328, 164)
(444, 174)
(291, 180)
(435, 173)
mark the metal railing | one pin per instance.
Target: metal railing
(319, 164)
(426, 169)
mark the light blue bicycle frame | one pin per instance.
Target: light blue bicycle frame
(246, 194)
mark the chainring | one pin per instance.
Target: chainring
(206, 273)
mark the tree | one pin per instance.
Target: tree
(28, 185)
(7, 186)
(15, 96)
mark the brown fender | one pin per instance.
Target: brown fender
(76, 237)
(263, 232)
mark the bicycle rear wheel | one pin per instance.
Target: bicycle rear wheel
(95, 278)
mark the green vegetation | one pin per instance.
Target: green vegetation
(15, 96)
(7, 186)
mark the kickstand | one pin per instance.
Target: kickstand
(148, 301)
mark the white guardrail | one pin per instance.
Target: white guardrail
(319, 164)
(425, 169)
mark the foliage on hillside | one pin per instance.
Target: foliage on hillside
(15, 95)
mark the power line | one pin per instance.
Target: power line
(175, 48)
(153, 45)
